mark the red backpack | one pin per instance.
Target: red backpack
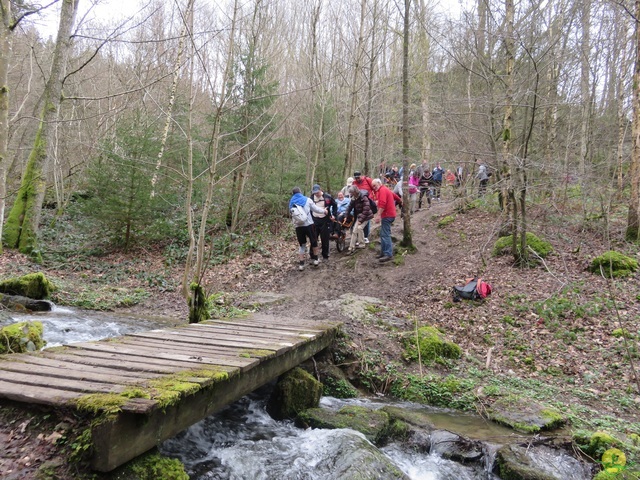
(474, 289)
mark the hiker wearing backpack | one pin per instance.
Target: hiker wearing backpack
(483, 176)
(323, 220)
(364, 183)
(436, 175)
(301, 208)
(361, 208)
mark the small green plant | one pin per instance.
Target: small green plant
(338, 388)
(449, 219)
(621, 332)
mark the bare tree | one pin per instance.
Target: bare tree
(407, 235)
(632, 233)
(21, 228)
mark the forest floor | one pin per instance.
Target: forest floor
(545, 333)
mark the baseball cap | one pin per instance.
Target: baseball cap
(316, 188)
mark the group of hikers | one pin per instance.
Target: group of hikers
(362, 200)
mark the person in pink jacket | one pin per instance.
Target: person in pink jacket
(414, 183)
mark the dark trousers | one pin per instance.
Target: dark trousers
(302, 233)
(482, 189)
(436, 188)
(424, 191)
(322, 229)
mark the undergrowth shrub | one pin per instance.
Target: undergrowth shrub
(541, 247)
(613, 264)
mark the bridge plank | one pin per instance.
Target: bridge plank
(75, 385)
(41, 360)
(195, 338)
(271, 324)
(36, 394)
(55, 372)
(256, 331)
(231, 357)
(101, 359)
(188, 361)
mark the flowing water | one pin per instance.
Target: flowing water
(243, 442)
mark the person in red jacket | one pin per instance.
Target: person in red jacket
(364, 183)
(386, 216)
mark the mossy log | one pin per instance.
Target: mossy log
(18, 302)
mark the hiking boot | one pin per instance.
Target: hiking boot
(384, 259)
(380, 255)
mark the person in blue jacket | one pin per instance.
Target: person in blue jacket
(307, 229)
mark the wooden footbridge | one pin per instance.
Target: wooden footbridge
(159, 382)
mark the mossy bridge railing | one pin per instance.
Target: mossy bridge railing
(146, 387)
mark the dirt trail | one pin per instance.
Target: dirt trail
(361, 274)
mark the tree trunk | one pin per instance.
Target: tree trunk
(633, 221)
(407, 240)
(349, 153)
(5, 49)
(21, 229)
(585, 93)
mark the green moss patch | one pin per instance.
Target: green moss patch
(430, 345)
(613, 264)
(166, 391)
(32, 285)
(152, 466)
(21, 337)
(504, 244)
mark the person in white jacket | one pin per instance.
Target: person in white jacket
(307, 229)
(483, 176)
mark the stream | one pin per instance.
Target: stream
(243, 442)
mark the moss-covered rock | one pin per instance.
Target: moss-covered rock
(32, 285)
(152, 466)
(541, 247)
(21, 337)
(373, 424)
(294, 392)
(525, 415)
(613, 264)
(430, 346)
(595, 444)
